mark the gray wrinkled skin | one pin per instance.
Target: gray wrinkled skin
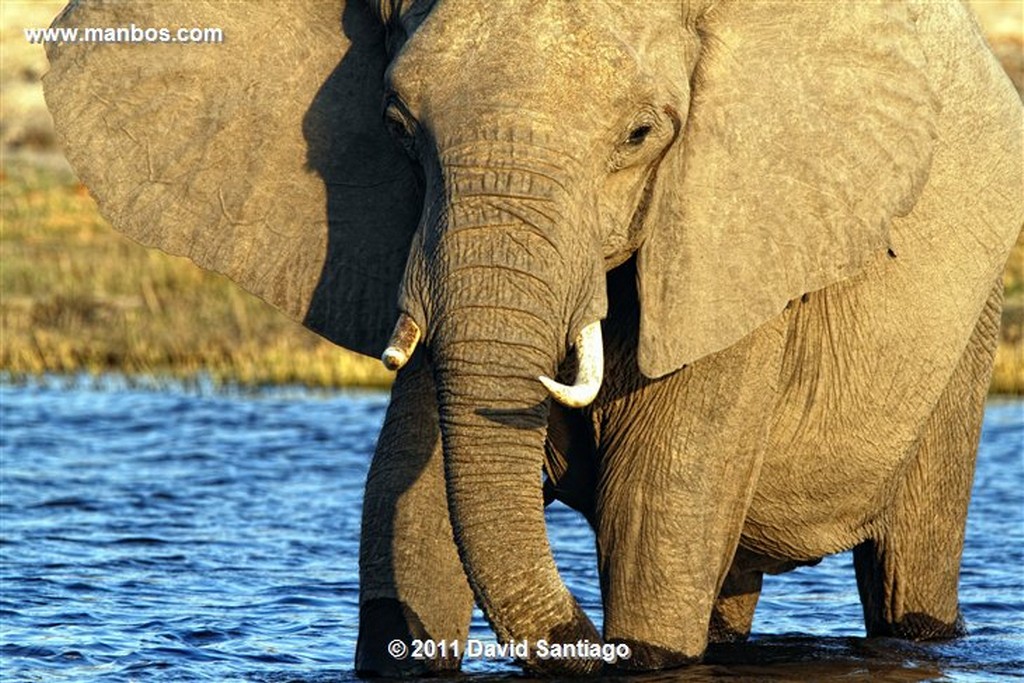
(792, 218)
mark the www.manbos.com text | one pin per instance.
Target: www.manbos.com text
(124, 34)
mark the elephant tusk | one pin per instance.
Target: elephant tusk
(589, 373)
(402, 344)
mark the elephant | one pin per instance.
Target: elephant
(722, 276)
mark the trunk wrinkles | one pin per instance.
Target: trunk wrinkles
(501, 288)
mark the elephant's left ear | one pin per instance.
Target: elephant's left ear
(811, 126)
(251, 142)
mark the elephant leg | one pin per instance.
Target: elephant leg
(679, 463)
(733, 612)
(908, 573)
(662, 562)
(411, 582)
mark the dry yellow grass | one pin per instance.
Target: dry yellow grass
(26, 121)
(78, 297)
(75, 296)
(1008, 371)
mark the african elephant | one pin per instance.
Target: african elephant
(773, 232)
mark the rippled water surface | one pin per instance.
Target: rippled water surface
(159, 535)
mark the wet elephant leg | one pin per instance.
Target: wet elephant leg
(908, 573)
(733, 612)
(411, 581)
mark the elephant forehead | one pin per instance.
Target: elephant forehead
(547, 54)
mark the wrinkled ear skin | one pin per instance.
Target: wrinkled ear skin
(811, 126)
(262, 157)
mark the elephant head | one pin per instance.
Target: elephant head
(477, 168)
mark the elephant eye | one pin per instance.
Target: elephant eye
(399, 125)
(396, 124)
(638, 135)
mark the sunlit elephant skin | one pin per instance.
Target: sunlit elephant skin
(787, 220)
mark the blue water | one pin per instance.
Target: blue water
(183, 534)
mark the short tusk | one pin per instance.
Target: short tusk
(590, 371)
(402, 344)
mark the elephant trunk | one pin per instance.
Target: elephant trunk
(493, 420)
(499, 320)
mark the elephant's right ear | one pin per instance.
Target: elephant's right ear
(262, 157)
(811, 127)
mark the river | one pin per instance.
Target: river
(179, 533)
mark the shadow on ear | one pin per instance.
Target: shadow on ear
(373, 195)
(262, 157)
(811, 126)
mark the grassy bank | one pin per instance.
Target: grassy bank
(77, 297)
